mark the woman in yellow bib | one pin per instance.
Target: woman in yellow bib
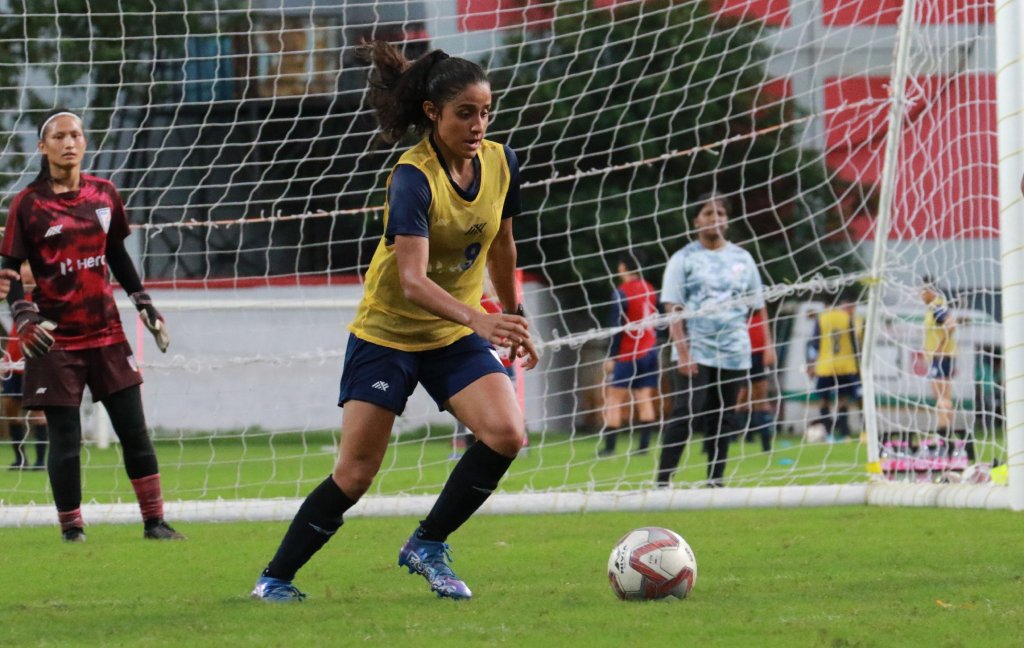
(833, 361)
(940, 349)
(447, 217)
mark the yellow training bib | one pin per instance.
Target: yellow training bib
(460, 233)
(934, 344)
(837, 349)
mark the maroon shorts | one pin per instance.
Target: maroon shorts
(58, 378)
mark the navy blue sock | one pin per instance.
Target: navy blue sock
(472, 481)
(763, 423)
(843, 423)
(319, 517)
(17, 432)
(610, 436)
(826, 419)
(647, 431)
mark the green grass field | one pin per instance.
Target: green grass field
(854, 576)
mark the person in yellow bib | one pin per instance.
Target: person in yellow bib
(448, 215)
(833, 361)
(940, 350)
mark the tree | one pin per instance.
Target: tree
(610, 89)
(85, 54)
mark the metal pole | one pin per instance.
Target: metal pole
(883, 225)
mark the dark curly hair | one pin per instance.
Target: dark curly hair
(712, 196)
(399, 87)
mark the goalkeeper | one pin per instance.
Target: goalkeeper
(70, 227)
(447, 215)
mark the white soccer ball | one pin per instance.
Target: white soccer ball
(815, 433)
(652, 563)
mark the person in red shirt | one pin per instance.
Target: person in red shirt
(753, 403)
(11, 407)
(71, 227)
(632, 366)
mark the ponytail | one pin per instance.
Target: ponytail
(398, 87)
(44, 168)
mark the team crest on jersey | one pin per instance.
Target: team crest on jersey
(103, 214)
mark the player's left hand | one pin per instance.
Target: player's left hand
(525, 350)
(520, 345)
(152, 319)
(769, 356)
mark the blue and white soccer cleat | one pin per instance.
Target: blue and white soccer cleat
(430, 560)
(276, 591)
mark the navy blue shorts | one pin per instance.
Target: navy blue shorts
(829, 387)
(942, 368)
(12, 385)
(757, 369)
(387, 377)
(637, 374)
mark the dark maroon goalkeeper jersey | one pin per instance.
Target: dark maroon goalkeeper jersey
(64, 237)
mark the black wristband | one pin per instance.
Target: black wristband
(518, 311)
(141, 299)
(25, 312)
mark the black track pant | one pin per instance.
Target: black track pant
(704, 402)
(65, 427)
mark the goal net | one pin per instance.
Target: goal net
(857, 152)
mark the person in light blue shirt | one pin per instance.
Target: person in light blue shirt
(719, 282)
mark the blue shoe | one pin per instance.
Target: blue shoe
(430, 560)
(276, 590)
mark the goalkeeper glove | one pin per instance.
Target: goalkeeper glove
(33, 330)
(152, 318)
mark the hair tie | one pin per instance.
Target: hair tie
(42, 129)
(436, 57)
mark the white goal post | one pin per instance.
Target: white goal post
(856, 144)
(1010, 107)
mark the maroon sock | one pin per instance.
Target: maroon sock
(151, 500)
(70, 519)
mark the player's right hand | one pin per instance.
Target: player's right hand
(686, 366)
(6, 277)
(33, 329)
